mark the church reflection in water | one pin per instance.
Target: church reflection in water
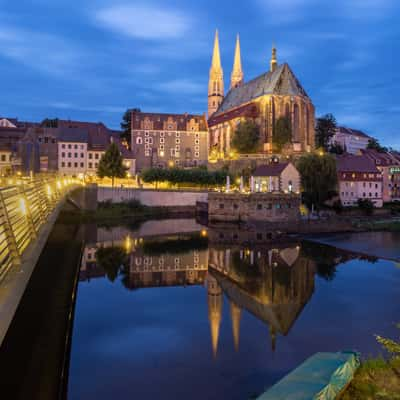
(272, 282)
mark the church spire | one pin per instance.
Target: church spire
(273, 63)
(237, 73)
(216, 81)
(214, 310)
(216, 57)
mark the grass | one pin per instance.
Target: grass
(107, 211)
(376, 379)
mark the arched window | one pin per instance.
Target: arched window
(296, 123)
(139, 140)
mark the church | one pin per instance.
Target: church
(274, 94)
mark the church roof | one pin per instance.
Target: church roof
(282, 81)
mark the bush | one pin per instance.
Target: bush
(194, 176)
(366, 206)
(337, 206)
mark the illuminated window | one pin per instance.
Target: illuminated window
(162, 140)
(139, 140)
(197, 154)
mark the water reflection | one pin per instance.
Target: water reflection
(271, 281)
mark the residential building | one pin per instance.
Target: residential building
(10, 138)
(351, 140)
(389, 166)
(72, 151)
(165, 140)
(277, 177)
(265, 99)
(359, 178)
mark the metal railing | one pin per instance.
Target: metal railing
(24, 209)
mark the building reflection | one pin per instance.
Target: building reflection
(271, 281)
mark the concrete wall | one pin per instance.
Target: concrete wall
(151, 198)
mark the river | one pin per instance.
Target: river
(177, 310)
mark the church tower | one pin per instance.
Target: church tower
(216, 81)
(237, 73)
(214, 292)
(273, 63)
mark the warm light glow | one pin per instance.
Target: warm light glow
(22, 206)
(321, 153)
(19, 173)
(48, 190)
(203, 233)
(128, 244)
(80, 176)
(58, 185)
(161, 153)
(170, 163)
(128, 175)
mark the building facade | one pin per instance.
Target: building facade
(351, 140)
(166, 140)
(277, 177)
(389, 166)
(270, 96)
(359, 178)
(72, 152)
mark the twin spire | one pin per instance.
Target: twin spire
(216, 81)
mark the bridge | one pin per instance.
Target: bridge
(28, 210)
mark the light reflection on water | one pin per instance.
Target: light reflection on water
(185, 315)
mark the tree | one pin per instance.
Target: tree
(325, 130)
(375, 145)
(126, 124)
(318, 178)
(336, 148)
(50, 123)
(366, 206)
(282, 133)
(111, 164)
(246, 137)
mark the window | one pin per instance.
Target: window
(82, 146)
(376, 194)
(82, 164)
(53, 140)
(76, 155)
(63, 146)
(76, 165)
(259, 206)
(90, 165)
(177, 134)
(69, 165)
(196, 154)
(161, 147)
(76, 146)
(63, 164)
(196, 148)
(3, 157)
(69, 146)
(82, 155)
(63, 155)
(221, 206)
(150, 140)
(259, 236)
(46, 139)
(197, 141)
(96, 156)
(69, 155)
(146, 134)
(162, 140)
(90, 156)
(177, 141)
(139, 140)
(162, 134)
(96, 165)
(235, 206)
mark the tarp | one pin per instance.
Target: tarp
(320, 377)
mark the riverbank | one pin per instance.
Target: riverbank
(376, 379)
(133, 211)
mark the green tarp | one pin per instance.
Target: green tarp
(320, 377)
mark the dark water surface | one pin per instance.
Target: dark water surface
(165, 313)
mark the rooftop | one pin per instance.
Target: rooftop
(282, 81)
(354, 132)
(274, 169)
(353, 163)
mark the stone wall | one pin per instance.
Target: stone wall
(152, 198)
(268, 207)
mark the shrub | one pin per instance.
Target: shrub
(366, 206)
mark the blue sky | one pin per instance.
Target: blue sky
(92, 59)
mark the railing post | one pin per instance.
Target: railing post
(28, 215)
(12, 243)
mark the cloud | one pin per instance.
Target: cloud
(144, 21)
(41, 51)
(183, 86)
(102, 109)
